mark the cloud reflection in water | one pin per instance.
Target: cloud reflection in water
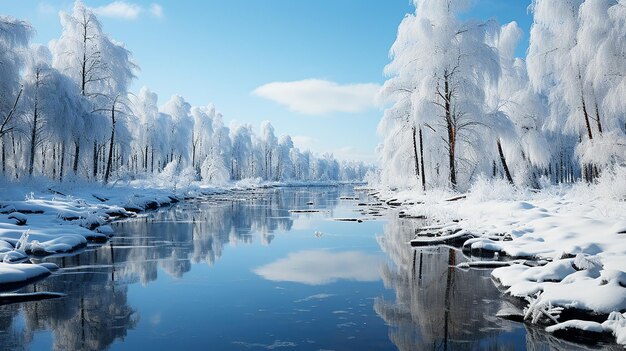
(317, 267)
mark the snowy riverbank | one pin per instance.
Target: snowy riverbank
(570, 243)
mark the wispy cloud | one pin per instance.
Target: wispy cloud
(46, 8)
(156, 10)
(127, 10)
(319, 97)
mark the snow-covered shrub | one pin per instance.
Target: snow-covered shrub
(492, 189)
(538, 311)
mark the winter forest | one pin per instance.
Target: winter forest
(451, 181)
(463, 106)
(66, 113)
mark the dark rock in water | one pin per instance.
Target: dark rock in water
(100, 198)
(16, 285)
(406, 216)
(174, 199)
(512, 314)
(484, 264)
(133, 208)
(19, 218)
(535, 263)
(119, 212)
(6, 299)
(69, 217)
(29, 211)
(97, 238)
(304, 211)
(486, 248)
(348, 220)
(453, 238)
(584, 336)
(152, 205)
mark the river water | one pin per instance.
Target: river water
(243, 272)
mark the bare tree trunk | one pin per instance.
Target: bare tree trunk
(33, 141)
(95, 160)
(451, 131)
(503, 161)
(54, 161)
(561, 168)
(76, 155)
(598, 122)
(152, 161)
(4, 156)
(107, 172)
(145, 160)
(422, 159)
(14, 149)
(415, 154)
(584, 106)
(43, 160)
(62, 161)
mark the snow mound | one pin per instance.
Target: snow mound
(15, 276)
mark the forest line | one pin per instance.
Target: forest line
(66, 112)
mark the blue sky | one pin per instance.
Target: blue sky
(222, 51)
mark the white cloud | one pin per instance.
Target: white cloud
(318, 97)
(156, 10)
(127, 10)
(318, 267)
(119, 9)
(45, 8)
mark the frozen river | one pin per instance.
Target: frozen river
(247, 272)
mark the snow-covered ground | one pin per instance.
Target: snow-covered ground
(570, 243)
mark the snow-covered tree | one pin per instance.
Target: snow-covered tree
(439, 70)
(202, 132)
(100, 66)
(181, 128)
(14, 37)
(241, 137)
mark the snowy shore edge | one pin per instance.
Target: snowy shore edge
(560, 252)
(43, 219)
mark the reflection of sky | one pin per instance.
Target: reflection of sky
(227, 306)
(318, 267)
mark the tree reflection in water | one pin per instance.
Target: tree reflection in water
(437, 307)
(96, 312)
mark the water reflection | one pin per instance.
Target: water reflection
(311, 292)
(317, 267)
(437, 306)
(96, 312)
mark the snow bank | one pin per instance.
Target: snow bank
(576, 234)
(15, 276)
